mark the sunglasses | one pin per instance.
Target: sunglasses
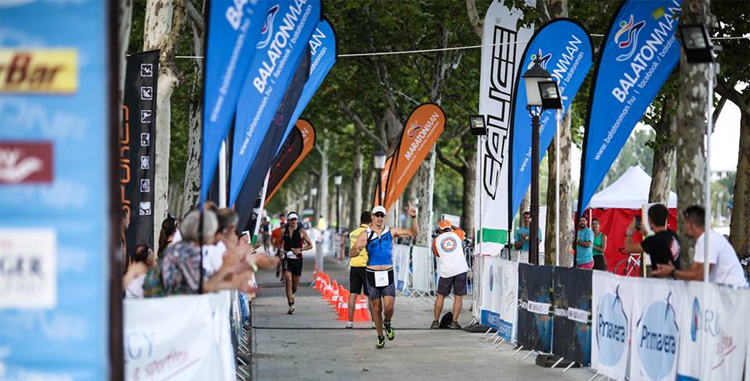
(379, 215)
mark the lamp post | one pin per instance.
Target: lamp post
(699, 50)
(541, 93)
(337, 182)
(313, 193)
(379, 163)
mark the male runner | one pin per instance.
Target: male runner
(276, 238)
(294, 241)
(381, 289)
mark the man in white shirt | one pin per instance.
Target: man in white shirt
(453, 268)
(724, 265)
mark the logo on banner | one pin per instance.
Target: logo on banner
(657, 337)
(412, 131)
(543, 58)
(612, 329)
(25, 162)
(707, 321)
(420, 136)
(448, 244)
(39, 71)
(147, 70)
(630, 30)
(268, 27)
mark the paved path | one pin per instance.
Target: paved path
(313, 345)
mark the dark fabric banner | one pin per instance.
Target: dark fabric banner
(253, 183)
(285, 159)
(535, 307)
(136, 148)
(571, 296)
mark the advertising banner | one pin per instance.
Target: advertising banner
(499, 306)
(401, 260)
(571, 296)
(421, 131)
(263, 108)
(322, 57)
(713, 338)
(56, 127)
(234, 29)
(257, 174)
(502, 47)
(535, 307)
(565, 50)
(189, 341)
(612, 307)
(136, 149)
(298, 144)
(656, 329)
(491, 292)
(381, 187)
(637, 55)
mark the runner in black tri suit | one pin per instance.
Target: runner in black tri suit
(294, 241)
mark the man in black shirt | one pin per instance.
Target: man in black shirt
(663, 246)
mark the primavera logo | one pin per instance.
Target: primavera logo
(627, 37)
(657, 338)
(267, 31)
(413, 130)
(612, 329)
(543, 58)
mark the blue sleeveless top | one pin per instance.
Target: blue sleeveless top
(379, 249)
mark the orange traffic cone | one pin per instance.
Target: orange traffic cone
(327, 291)
(343, 309)
(361, 313)
(319, 281)
(334, 294)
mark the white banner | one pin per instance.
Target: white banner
(656, 329)
(421, 268)
(178, 337)
(401, 265)
(713, 338)
(612, 307)
(503, 47)
(500, 296)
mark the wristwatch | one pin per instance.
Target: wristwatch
(671, 273)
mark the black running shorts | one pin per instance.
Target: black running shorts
(294, 266)
(358, 280)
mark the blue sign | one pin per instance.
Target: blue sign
(657, 340)
(234, 28)
(612, 330)
(284, 38)
(565, 50)
(56, 125)
(637, 56)
(322, 57)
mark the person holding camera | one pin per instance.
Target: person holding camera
(663, 247)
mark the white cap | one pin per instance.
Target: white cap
(378, 209)
(292, 216)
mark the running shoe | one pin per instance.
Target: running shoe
(435, 324)
(455, 325)
(381, 342)
(349, 325)
(389, 332)
(291, 310)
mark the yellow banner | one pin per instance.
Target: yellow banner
(39, 71)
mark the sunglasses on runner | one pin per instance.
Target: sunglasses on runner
(379, 215)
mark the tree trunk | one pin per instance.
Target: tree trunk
(192, 184)
(664, 151)
(469, 196)
(426, 184)
(125, 22)
(323, 195)
(162, 30)
(691, 117)
(566, 212)
(740, 226)
(356, 199)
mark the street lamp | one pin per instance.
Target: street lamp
(699, 50)
(313, 193)
(541, 94)
(477, 125)
(379, 163)
(337, 181)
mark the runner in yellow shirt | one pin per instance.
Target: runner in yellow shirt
(358, 264)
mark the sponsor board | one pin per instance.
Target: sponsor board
(612, 307)
(40, 71)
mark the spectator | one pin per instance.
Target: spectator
(663, 247)
(265, 234)
(168, 230)
(584, 245)
(724, 265)
(600, 245)
(181, 272)
(453, 268)
(132, 282)
(276, 238)
(522, 234)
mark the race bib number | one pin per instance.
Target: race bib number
(381, 278)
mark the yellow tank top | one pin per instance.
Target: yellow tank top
(361, 259)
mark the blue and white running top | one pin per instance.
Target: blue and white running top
(379, 249)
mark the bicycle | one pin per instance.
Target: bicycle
(629, 265)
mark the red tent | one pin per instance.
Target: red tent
(617, 205)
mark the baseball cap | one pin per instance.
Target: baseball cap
(378, 209)
(293, 216)
(444, 224)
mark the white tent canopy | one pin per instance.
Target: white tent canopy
(630, 191)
